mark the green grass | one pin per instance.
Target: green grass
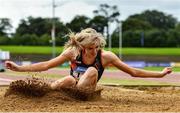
(148, 51)
(30, 49)
(125, 51)
(175, 69)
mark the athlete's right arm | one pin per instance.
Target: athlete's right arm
(41, 66)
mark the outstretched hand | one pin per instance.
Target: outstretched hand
(166, 70)
(11, 65)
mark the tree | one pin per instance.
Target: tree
(5, 40)
(78, 23)
(26, 39)
(37, 26)
(44, 40)
(157, 19)
(5, 25)
(98, 23)
(173, 38)
(40, 26)
(177, 28)
(110, 13)
(155, 38)
(136, 24)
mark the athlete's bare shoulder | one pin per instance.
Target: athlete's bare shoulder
(107, 54)
(107, 57)
(70, 53)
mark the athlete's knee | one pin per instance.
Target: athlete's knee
(92, 71)
(91, 74)
(88, 79)
(68, 81)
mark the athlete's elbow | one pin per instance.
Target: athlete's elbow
(134, 74)
(45, 66)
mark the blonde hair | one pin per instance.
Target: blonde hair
(85, 38)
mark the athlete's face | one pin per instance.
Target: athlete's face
(92, 50)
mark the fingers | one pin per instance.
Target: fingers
(7, 64)
(10, 65)
(167, 70)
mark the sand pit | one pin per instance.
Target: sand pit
(110, 99)
(30, 87)
(37, 87)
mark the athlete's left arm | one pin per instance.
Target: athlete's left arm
(135, 72)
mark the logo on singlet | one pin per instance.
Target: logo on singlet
(78, 62)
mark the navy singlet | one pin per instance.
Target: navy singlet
(79, 67)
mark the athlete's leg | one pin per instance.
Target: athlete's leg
(89, 79)
(65, 82)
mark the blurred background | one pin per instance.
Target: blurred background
(142, 33)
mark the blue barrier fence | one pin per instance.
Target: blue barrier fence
(142, 64)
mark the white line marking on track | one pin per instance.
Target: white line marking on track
(4, 79)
